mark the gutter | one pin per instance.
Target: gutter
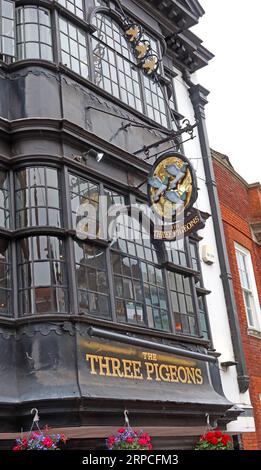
(198, 96)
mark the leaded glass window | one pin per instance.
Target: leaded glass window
(43, 286)
(33, 33)
(84, 193)
(92, 281)
(37, 197)
(4, 200)
(5, 277)
(156, 105)
(73, 47)
(182, 304)
(139, 287)
(114, 65)
(75, 6)
(176, 252)
(7, 36)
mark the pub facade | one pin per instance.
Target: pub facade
(92, 94)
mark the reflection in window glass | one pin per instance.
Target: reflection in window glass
(75, 6)
(34, 34)
(84, 194)
(42, 276)
(140, 293)
(203, 317)
(92, 281)
(5, 278)
(4, 200)
(73, 47)
(7, 41)
(115, 70)
(176, 252)
(182, 304)
(37, 197)
(156, 105)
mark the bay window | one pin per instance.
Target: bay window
(5, 277)
(33, 32)
(43, 284)
(37, 197)
(7, 36)
(4, 200)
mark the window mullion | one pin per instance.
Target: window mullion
(170, 308)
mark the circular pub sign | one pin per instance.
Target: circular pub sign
(172, 186)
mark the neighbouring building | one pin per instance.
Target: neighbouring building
(91, 93)
(240, 204)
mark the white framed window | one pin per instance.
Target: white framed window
(248, 284)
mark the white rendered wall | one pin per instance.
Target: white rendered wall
(211, 273)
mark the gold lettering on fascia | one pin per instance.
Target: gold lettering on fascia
(148, 369)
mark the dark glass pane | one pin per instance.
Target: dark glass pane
(83, 301)
(38, 197)
(43, 300)
(116, 263)
(120, 310)
(26, 301)
(126, 267)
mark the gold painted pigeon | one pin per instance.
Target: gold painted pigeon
(150, 64)
(133, 33)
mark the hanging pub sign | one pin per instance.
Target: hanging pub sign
(172, 191)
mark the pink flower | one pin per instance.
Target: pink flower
(130, 440)
(142, 441)
(48, 442)
(16, 448)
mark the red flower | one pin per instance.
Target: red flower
(130, 440)
(47, 442)
(225, 439)
(150, 447)
(142, 441)
(121, 430)
(17, 448)
(214, 441)
(146, 436)
(111, 440)
(209, 436)
(218, 434)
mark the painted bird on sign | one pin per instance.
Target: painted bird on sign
(179, 174)
(173, 196)
(142, 49)
(150, 64)
(133, 33)
(159, 184)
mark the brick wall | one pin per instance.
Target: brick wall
(241, 204)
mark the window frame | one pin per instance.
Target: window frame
(251, 290)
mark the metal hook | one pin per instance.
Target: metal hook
(127, 421)
(36, 415)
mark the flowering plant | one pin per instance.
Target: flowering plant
(128, 439)
(40, 441)
(214, 440)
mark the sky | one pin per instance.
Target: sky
(231, 30)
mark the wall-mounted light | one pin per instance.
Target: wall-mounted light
(93, 154)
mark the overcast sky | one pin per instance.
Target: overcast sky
(234, 80)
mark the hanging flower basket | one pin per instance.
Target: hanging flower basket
(40, 441)
(214, 440)
(128, 439)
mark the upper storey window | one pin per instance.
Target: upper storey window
(75, 6)
(7, 28)
(34, 35)
(116, 70)
(114, 66)
(73, 47)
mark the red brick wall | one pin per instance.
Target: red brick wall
(240, 205)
